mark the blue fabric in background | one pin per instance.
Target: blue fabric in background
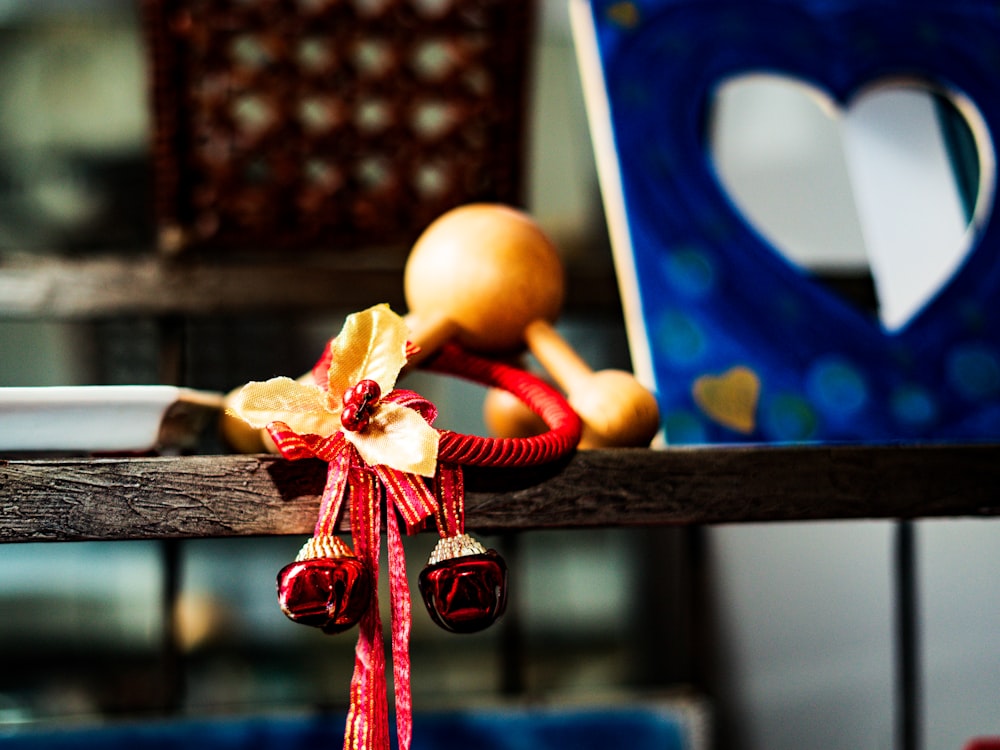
(715, 295)
(600, 729)
(581, 730)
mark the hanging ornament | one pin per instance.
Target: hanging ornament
(327, 586)
(378, 441)
(464, 585)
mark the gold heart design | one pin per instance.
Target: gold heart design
(730, 398)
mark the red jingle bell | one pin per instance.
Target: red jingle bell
(329, 592)
(464, 585)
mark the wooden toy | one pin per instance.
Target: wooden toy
(480, 274)
(487, 276)
(505, 415)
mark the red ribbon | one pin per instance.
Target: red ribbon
(449, 487)
(348, 476)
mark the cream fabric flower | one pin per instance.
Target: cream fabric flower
(371, 346)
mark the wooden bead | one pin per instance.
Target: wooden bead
(616, 410)
(505, 415)
(238, 435)
(479, 274)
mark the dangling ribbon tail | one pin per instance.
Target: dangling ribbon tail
(367, 718)
(409, 496)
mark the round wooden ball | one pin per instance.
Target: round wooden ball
(616, 411)
(490, 270)
(507, 416)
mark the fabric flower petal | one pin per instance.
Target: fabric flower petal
(301, 406)
(372, 346)
(399, 438)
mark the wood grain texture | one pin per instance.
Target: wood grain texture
(208, 496)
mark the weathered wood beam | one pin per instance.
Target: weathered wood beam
(207, 496)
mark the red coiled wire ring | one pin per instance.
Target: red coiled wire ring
(473, 450)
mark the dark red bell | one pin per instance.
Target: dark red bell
(465, 594)
(331, 593)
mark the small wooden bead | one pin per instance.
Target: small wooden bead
(482, 272)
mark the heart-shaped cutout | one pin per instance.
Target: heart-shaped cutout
(730, 398)
(894, 184)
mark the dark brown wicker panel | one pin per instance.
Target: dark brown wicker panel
(332, 124)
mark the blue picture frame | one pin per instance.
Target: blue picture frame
(740, 345)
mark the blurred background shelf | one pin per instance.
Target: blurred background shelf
(44, 287)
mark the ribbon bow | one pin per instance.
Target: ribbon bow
(374, 437)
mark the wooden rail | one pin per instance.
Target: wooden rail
(207, 496)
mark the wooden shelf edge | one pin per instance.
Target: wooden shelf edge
(214, 496)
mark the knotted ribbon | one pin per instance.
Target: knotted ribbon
(390, 454)
(350, 478)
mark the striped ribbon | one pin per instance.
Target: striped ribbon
(407, 497)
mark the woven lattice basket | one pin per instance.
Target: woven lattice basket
(322, 124)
